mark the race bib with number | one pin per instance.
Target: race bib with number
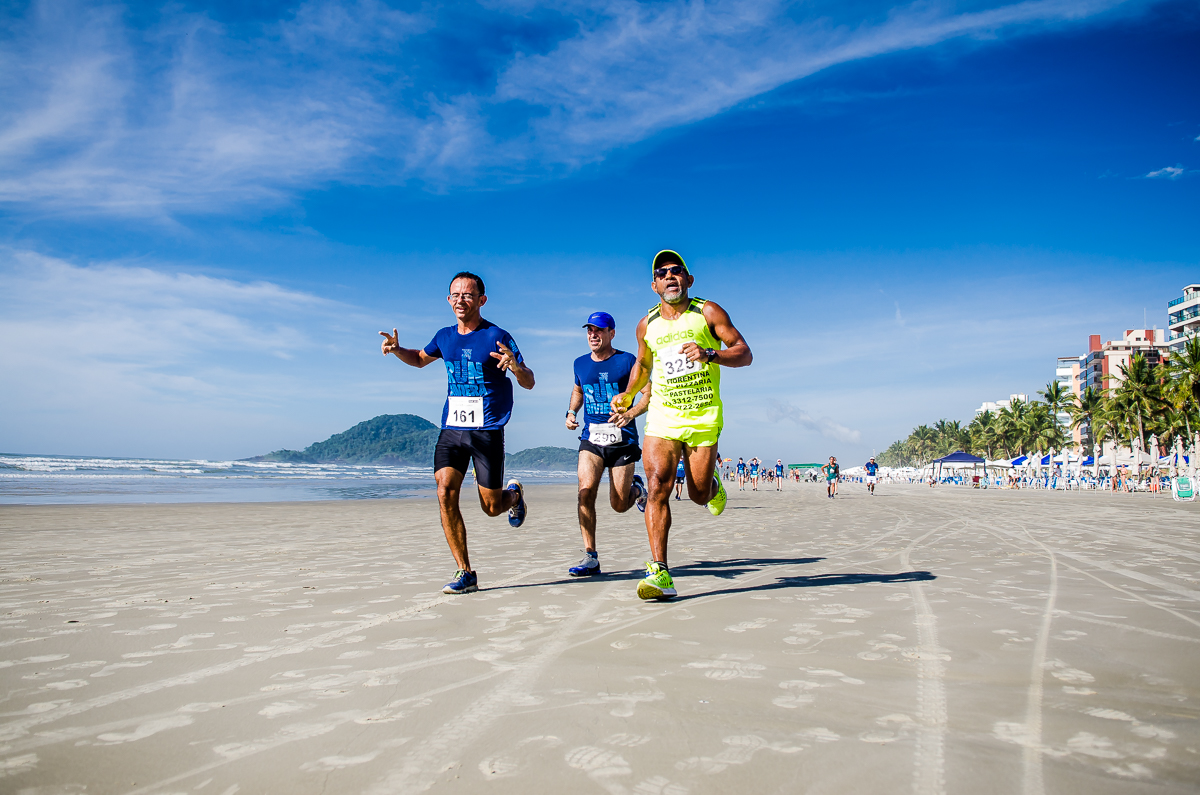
(603, 434)
(465, 412)
(677, 364)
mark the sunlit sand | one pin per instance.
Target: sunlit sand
(921, 641)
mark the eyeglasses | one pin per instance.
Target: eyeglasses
(674, 270)
(464, 296)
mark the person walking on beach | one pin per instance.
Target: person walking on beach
(479, 400)
(609, 440)
(680, 340)
(741, 475)
(778, 474)
(831, 471)
(871, 468)
(754, 474)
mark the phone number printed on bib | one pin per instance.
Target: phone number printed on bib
(603, 434)
(465, 412)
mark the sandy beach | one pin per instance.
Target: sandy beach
(923, 640)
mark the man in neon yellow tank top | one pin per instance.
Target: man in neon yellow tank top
(679, 342)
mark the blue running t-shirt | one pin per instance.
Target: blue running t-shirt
(871, 468)
(753, 469)
(779, 470)
(601, 382)
(472, 372)
(741, 468)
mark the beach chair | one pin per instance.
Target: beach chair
(1182, 489)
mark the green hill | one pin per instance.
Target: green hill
(555, 458)
(404, 439)
(408, 440)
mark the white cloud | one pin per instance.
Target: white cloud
(824, 425)
(1169, 172)
(190, 115)
(121, 358)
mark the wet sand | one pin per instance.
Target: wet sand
(919, 641)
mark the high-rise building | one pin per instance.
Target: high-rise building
(1068, 373)
(1183, 317)
(1103, 363)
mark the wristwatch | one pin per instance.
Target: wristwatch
(710, 353)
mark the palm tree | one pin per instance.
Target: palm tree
(982, 434)
(1057, 398)
(1140, 394)
(1183, 389)
(1084, 412)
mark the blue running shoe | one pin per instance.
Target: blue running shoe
(588, 567)
(639, 489)
(516, 514)
(463, 582)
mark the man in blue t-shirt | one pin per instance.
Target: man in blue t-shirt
(754, 462)
(778, 474)
(609, 439)
(479, 397)
(741, 474)
(872, 468)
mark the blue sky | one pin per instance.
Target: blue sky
(207, 211)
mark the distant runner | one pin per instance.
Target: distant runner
(754, 474)
(831, 472)
(779, 474)
(741, 475)
(679, 478)
(680, 340)
(871, 468)
(609, 441)
(478, 357)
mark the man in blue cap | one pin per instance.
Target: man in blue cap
(609, 439)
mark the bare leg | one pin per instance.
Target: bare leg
(698, 465)
(620, 488)
(591, 467)
(495, 501)
(449, 483)
(659, 457)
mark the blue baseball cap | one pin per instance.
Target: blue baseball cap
(600, 320)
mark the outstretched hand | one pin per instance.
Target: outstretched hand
(507, 359)
(390, 342)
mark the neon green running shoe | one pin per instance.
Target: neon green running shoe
(657, 584)
(717, 504)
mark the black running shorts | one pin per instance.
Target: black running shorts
(456, 448)
(613, 455)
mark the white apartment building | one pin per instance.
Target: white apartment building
(1000, 404)
(1183, 317)
(1068, 372)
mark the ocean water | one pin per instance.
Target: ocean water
(48, 480)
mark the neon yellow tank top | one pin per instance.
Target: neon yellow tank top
(684, 393)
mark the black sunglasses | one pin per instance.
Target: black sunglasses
(674, 270)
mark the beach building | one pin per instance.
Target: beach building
(1183, 317)
(1103, 363)
(1000, 404)
(1068, 373)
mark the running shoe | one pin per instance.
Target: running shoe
(516, 514)
(464, 582)
(717, 504)
(588, 567)
(657, 584)
(639, 489)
